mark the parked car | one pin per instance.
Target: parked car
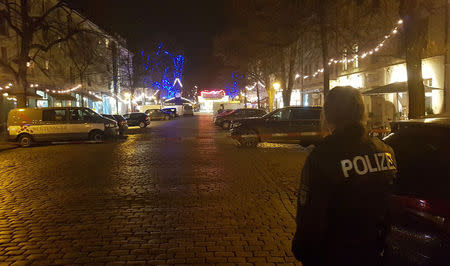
(419, 233)
(158, 114)
(28, 125)
(172, 111)
(121, 122)
(225, 120)
(285, 125)
(220, 112)
(137, 119)
(188, 110)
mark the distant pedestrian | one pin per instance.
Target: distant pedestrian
(345, 188)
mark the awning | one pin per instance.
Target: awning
(30, 95)
(397, 87)
(62, 97)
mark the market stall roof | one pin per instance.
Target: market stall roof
(397, 87)
(63, 97)
(178, 101)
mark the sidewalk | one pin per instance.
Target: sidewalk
(5, 144)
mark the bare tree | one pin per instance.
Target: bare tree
(84, 53)
(127, 74)
(30, 19)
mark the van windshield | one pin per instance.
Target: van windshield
(92, 113)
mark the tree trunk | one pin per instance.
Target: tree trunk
(269, 88)
(257, 95)
(287, 92)
(22, 81)
(324, 46)
(283, 79)
(416, 90)
(415, 26)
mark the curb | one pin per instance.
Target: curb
(7, 147)
(76, 142)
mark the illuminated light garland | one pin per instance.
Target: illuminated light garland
(179, 82)
(254, 85)
(65, 91)
(362, 55)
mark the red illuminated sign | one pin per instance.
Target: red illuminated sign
(212, 93)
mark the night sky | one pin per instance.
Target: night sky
(187, 27)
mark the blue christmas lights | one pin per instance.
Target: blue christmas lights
(161, 71)
(233, 89)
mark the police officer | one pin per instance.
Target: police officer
(345, 187)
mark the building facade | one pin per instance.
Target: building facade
(81, 69)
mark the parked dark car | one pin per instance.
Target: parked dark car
(157, 114)
(137, 119)
(172, 111)
(220, 112)
(285, 125)
(224, 119)
(121, 121)
(419, 233)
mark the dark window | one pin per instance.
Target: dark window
(55, 115)
(119, 117)
(423, 162)
(80, 115)
(300, 114)
(281, 115)
(260, 112)
(136, 116)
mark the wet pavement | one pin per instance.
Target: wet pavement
(178, 192)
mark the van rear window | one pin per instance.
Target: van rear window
(55, 115)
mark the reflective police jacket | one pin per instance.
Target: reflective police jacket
(342, 203)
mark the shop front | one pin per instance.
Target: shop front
(207, 99)
(385, 90)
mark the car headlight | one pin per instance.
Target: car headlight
(109, 125)
(236, 124)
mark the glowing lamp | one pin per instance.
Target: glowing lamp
(276, 86)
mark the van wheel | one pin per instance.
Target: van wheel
(25, 140)
(96, 136)
(142, 125)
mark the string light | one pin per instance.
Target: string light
(361, 55)
(65, 91)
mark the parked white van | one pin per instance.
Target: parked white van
(28, 125)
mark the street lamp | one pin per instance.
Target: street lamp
(276, 86)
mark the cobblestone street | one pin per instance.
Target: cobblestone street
(178, 192)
